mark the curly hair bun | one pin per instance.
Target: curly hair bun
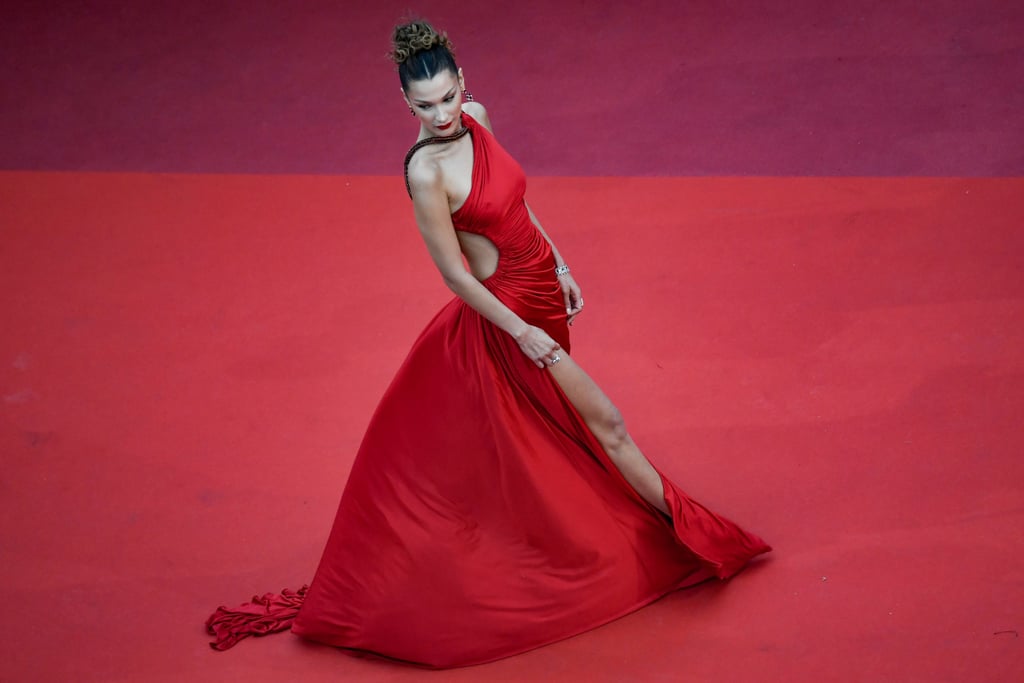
(408, 39)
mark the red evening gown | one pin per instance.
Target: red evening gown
(481, 517)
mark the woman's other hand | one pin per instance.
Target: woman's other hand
(573, 296)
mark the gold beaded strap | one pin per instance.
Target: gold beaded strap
(423, 143)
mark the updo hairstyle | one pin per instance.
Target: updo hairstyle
(420, 52)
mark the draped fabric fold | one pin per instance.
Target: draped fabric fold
(263, 615)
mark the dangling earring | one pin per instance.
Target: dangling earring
(466, 95)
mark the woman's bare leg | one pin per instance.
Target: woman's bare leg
(606, 423)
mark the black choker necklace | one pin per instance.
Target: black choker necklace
(445, 138)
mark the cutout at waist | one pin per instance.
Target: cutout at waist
(481, 254)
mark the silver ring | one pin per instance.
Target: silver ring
(555, 359)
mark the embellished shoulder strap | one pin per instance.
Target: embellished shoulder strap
(423, 143)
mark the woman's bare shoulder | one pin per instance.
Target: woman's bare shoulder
(424, 170)
(478, 112)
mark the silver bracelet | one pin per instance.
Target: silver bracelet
(561, 270)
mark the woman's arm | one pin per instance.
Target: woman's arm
(433, 217)
(559, 261)
(570, 290)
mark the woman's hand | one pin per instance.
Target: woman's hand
(538, 346)
(573, 296)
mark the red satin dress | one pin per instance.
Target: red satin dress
(481, 517)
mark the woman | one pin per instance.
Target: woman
(497, 502)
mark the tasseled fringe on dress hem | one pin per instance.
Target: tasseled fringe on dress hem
(262, 616)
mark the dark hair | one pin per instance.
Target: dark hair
(421, 52)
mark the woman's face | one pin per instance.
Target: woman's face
(437, 102)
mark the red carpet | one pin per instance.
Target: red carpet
(189, 362)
